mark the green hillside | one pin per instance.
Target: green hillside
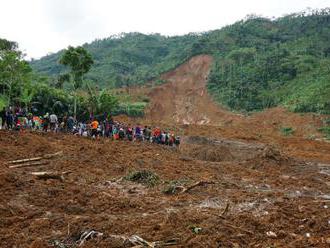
(127, 59)
(258, 62)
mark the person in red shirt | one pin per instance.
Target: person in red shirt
(157, 135)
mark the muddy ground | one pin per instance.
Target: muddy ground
(274, 199)
(262, 188)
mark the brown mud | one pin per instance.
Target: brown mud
(268, 192)
(277, 187)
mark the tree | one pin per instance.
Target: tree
(103, 102)
(14, 71)
(107, 102)
(80, 62)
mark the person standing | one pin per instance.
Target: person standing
(9, 119)
(70, 124)
(106, 126)
(3, 118)
(45, 122)
(53, 122)
(94, 127)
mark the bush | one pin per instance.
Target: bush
(326, 131)
(145, 177)
(3, 102)
(135, 109)
(174, 187)
(287, 131)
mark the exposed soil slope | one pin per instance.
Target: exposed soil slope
(277, 187)
(268, 193)
(184, 98)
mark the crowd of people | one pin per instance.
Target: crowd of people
(18, 119)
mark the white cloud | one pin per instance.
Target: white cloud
(43, 26)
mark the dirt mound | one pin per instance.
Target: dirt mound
(184, 98)
(217, 150)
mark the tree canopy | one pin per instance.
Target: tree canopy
(258, 62)
(80, 62)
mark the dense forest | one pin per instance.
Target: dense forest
(258, 62)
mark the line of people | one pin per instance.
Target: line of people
(108, 128)
(122, 131)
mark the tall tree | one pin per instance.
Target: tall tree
(14, 71)
(80, 62)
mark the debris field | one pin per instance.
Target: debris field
(101, 193)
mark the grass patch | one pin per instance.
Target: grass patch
(326, 131)
(144, 177)
(134, 109)
(287, 131)
(327, 121)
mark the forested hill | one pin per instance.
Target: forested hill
(258, 62)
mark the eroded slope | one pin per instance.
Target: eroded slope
(184, 98)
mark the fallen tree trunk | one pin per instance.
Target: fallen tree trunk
(200, 183)
(25, 160)
(139, 242)
(44, 175)
(46, 156)
(225, 210)
(29, 164)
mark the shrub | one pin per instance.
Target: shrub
(326, 131)
(174, 187)
(286, 131)
(145, 177)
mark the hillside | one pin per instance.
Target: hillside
(127, 59)
(257, 62)
(183, 97)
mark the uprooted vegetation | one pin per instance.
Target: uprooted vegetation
(325, 129)
(145, 177)
(173, 187)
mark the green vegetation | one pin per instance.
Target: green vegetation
(39, 95)
(126, 59)
(80, 62)
(3, 101)
(144, 177)
(287, 131)
(262, 63)
(135, 109)
(14, 73)
(258, 62)
(174, 187)
(326, 129)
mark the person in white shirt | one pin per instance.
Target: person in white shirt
(53, 122)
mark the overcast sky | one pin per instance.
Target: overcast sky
(44, 26)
